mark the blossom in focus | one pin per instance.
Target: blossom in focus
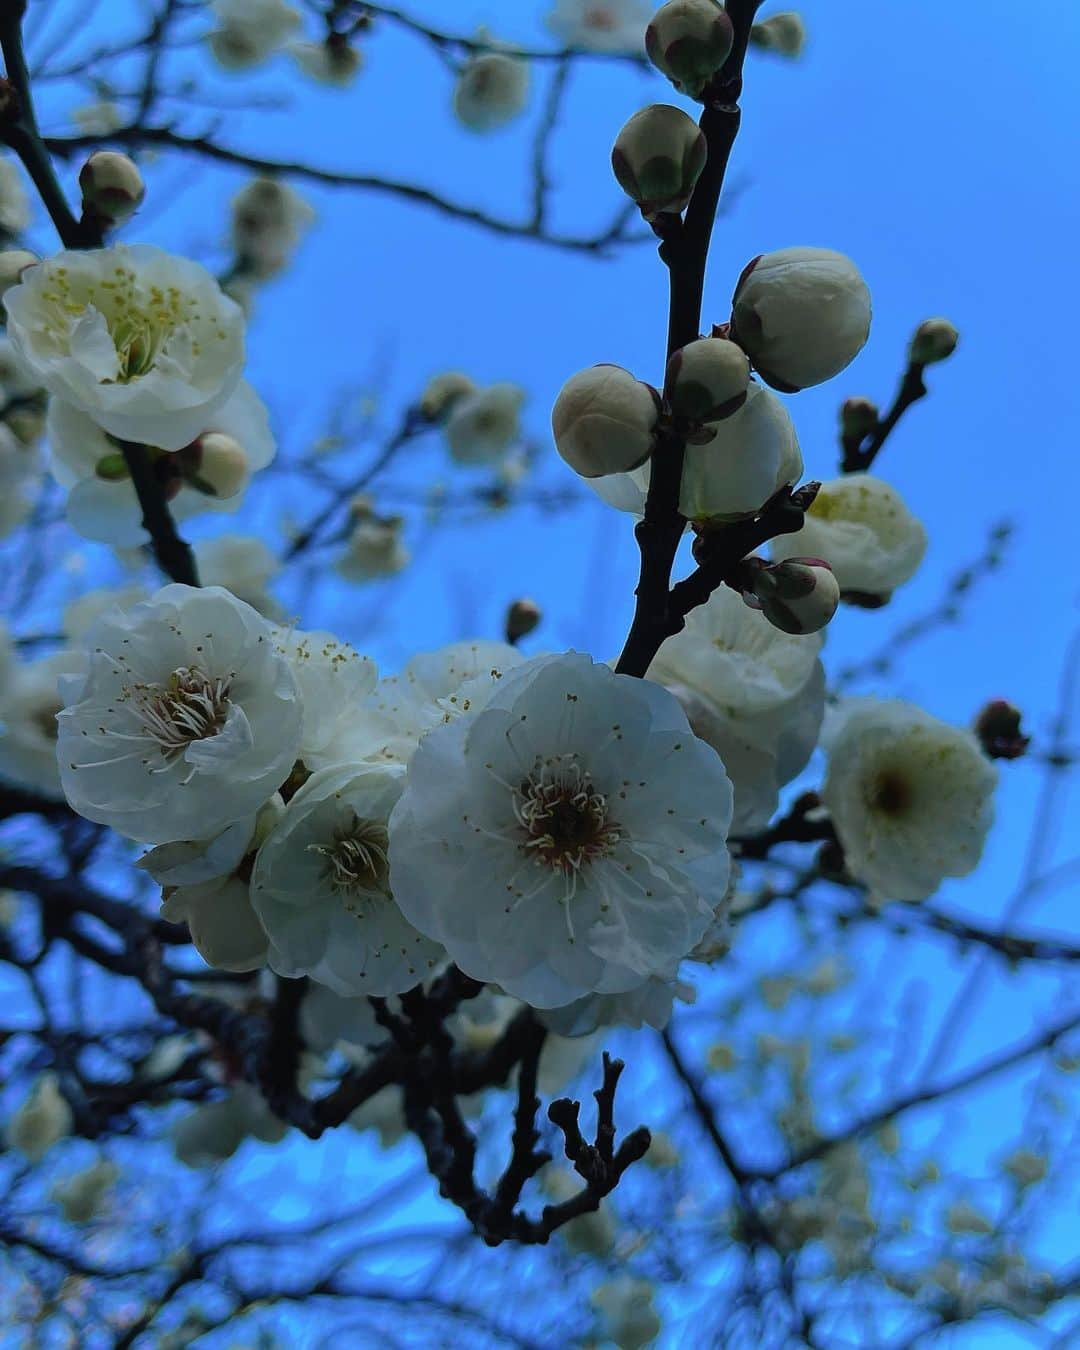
(14, 203)
(188, 719)
(601, 25)
(859, 523)
(242, 564)
(482, 426)
(630, 1320)
(250, 31)
(569, 811)
(143, 342)
(911, 797)
(321, 887)
(42, 1120)
(754, 693)
(706, 377)
(81, 1195)
(231, 445)
(269, 218)
(29, 703)
(333, 680)
(801, 315)
(491, 90)
(604, 421)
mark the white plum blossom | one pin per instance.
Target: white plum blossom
(20, 477)
(326, 1019)
(14, 203)
(42, 1120)
(375, 548)
(188, 719)
(555, 842)
(213, 1131)
(242, 564)
(269, 219)
(102, 504)
(321, 887)
(221, 921)
(911, 797)
(29, 704)
(601, 25)
(650, 1004)
(860, 525)
(250, 31)
(784, 34)
(482, 426)
(754, 693)
(83, 612)
(142, 341)
(334, 680)
(801, 314)
(749, 457)
(82, 1194)
(630, 1320)
(492, 89)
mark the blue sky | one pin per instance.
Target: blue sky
(934, 143)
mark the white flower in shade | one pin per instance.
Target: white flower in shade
(215, 1130)
(375, 549)
(650, 1004)
(242, 564)
(223, 925)
(630, 1320)
(601, 25)
(142, 341)
(81, 1195)
(751, 455)
(321, 887)
(188, 719)
(335, 62)
(911, 797)
(801, 314)
(43, 1119)
(484, 425)
(250, 31)
(209, 474)
(14, 203)
(754, 693)
(326, 1019)
(20, 478)
(84, 611)
(99, 118)
(569, 812)
(28, 729)
(269, 218)
(861, 527)
(333, 681)
(491, 90)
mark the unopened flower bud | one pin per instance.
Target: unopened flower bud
(221, 465)
(442, 391)
(112, 187)
(688, 41)
(784, 34)
(707, 379)
(492, 90)
(858, 418)
(934, 340)
(801, 315)
(658, 158)
(521, 618)
(603, 421)
(999, 731)
(796, 596)
(13, 263)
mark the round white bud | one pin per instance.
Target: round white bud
(604, 420)
(658, 158)
(704, 377)
(13, 263)
(801, 315)
(934, 340)
(112, 187)
(784, 34)
(442, 391)
(221, 466)
(492, 90)
(797, 596)
(688, 41)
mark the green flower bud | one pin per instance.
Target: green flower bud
(705, 377)
(797, 596)
(658, 158)
(934, 340)
(112, 187)
(689, 41)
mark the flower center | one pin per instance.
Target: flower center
(890, 793)
(191, 706)
(566, 821)
(357, 861)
